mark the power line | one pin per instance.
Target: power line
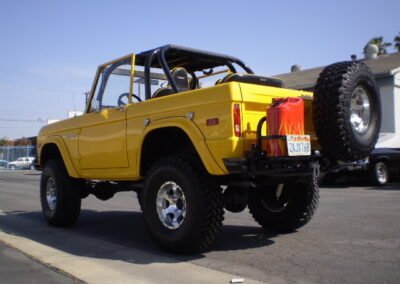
(16, 127)
(39, 120)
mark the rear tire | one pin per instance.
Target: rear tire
(295, 206)
(183, 206)
(346, 111)
(60, 195)
(139, 195)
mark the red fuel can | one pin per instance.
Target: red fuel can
(285, 116)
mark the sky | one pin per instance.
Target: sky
(49, 50)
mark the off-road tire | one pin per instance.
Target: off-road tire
(204, 203)
(332, 111)
(67, 192)
(139, 195)
(379, 173)
(302, 202)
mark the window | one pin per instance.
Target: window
(113, 85)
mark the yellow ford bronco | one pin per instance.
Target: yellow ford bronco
(195, 133)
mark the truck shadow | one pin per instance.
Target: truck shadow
(365, 185)
(119, 235)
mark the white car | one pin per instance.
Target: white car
(22, 163)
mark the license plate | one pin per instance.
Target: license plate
(298, 145)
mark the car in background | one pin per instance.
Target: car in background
(383, 164)
(3, 164)
(380, 167)
(22, 163)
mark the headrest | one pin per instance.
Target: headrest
(181, 78)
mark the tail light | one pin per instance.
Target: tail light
(237, 124)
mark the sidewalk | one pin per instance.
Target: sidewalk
(16, 268)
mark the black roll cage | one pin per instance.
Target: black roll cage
(168, 57)
(204, 60)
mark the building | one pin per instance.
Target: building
(387, 73)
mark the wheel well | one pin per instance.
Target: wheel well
(164, 142)
(383, 159)
(49, 151)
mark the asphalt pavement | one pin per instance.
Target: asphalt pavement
(353, 238)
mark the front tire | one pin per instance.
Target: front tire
(182, 204)
(60, 195)
(286, 207)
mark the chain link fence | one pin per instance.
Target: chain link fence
(11, 154)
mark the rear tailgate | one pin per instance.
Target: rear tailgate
(256, 99)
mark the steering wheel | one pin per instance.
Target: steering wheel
(121, 100)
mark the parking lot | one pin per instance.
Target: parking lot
(353, 238)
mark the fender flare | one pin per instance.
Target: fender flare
(195, 136)
(62, 148)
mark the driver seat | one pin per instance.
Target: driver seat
(181, 78)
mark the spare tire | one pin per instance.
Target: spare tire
(346, 111)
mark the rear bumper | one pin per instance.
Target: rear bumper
(274, 166)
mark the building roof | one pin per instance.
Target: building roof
(383, 65)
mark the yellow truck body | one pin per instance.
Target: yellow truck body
(107, 144)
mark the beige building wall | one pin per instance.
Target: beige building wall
(388, 104)
(397, 102)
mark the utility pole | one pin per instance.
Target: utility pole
(86, 97)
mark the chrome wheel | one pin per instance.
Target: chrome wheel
(381, 173)
(171, 205)
(360, 110)
(51, 193)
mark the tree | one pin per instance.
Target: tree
(397, 42)
(23, 142)
(382, 45)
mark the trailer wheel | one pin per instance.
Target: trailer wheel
(346, 111)
(286, 207)
(60, 195)
(182, 205)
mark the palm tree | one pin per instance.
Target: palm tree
(382, 46)
(397, 42)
